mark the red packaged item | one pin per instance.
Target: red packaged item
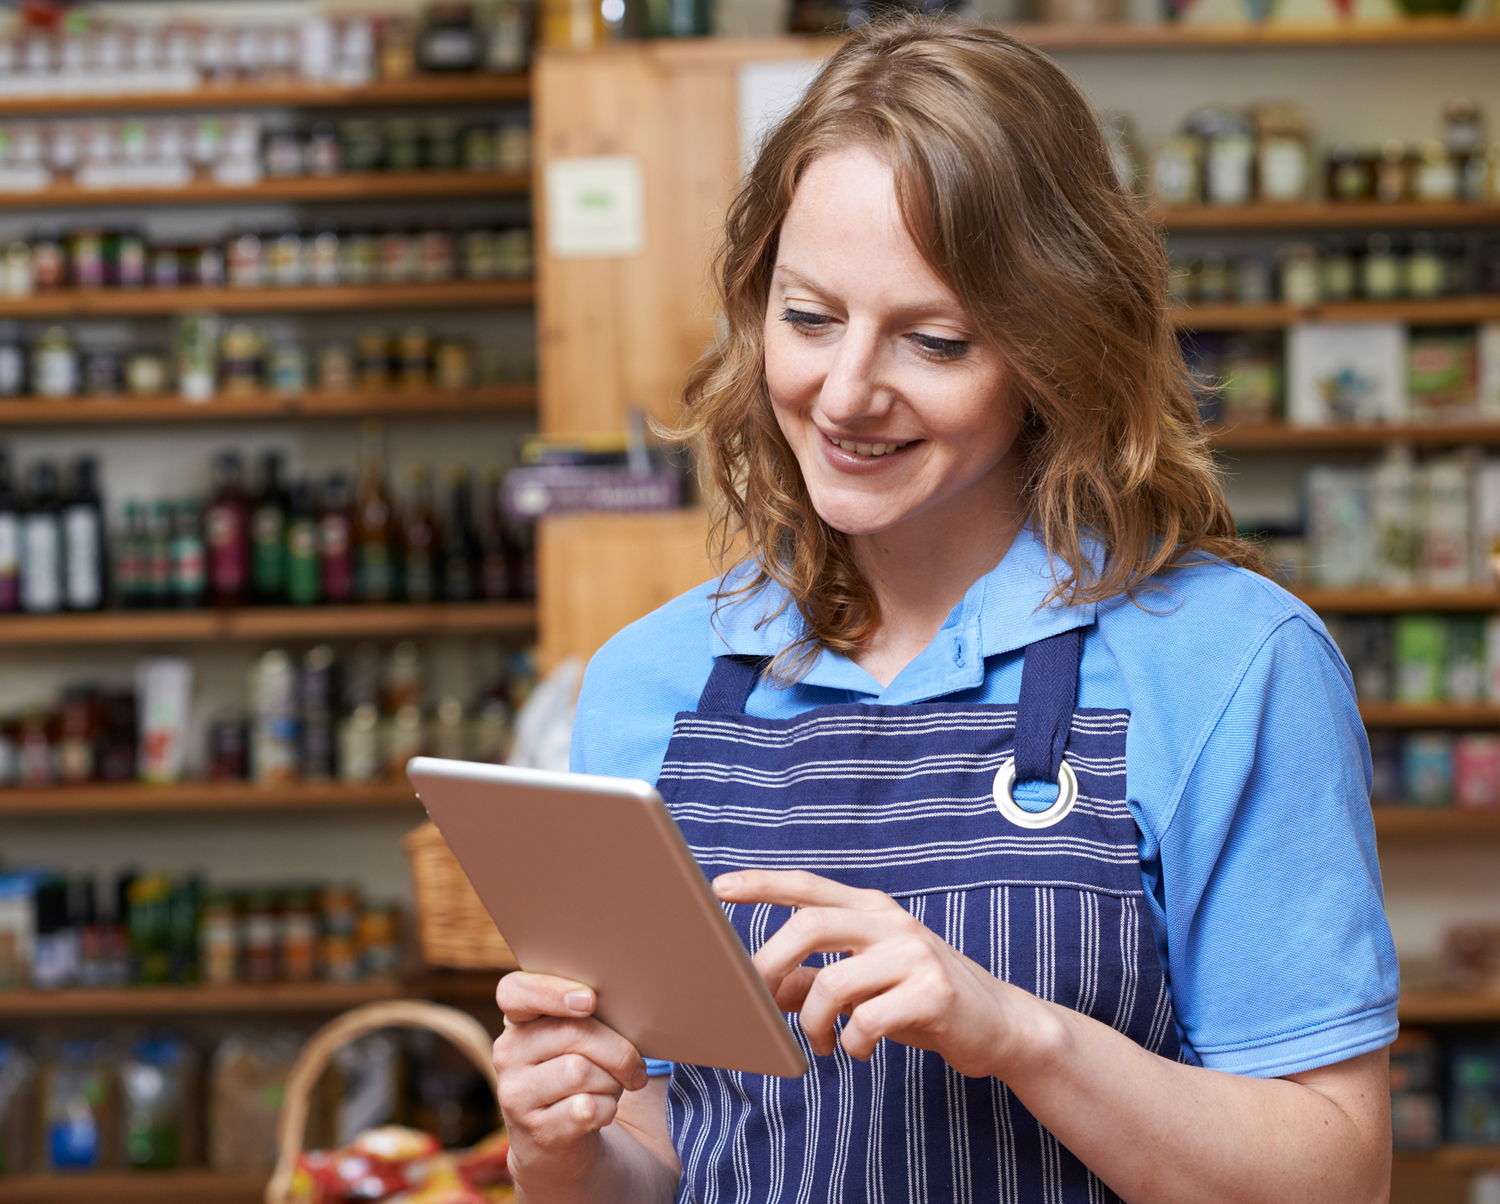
(487, 1163)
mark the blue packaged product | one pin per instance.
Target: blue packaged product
(1474, 1095)
(1427, 769)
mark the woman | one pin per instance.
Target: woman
(1045, 812)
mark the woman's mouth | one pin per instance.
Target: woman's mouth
(871, 450)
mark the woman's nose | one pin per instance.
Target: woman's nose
(852, 389)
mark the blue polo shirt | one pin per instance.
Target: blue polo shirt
(1247, 772)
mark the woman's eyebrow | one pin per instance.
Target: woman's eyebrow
(806, 282)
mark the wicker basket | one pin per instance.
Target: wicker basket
(452, 923)
(459, 1027)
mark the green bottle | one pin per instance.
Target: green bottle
(303, 566)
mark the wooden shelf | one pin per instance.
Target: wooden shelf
(135, 798)
(1413, 31)
(1439, 1006)
(1403, 821)
(1279, 436)
(1450, 1158)
(418, 90)
(241, 998)
(1324, 216)
(1370, 600)
(352, 186)
(147, 1187)
(268, 623)
(71, 411)
(1440, 312)
(1430, 714)
(81, 303)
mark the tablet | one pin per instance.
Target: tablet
(588, 878)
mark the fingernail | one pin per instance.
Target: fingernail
(579, 1001)
(639, 1079)
(727, 882)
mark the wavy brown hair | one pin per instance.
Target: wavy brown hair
(1007, 188)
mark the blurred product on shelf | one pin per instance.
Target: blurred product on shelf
(165, 1100)
(1472, 955)
(1338, 268)
(95, 258)
(608, 472)
(94, 52)
(1420, 658)
(1230, 156)
(1399, 523)
(314, 717)
(161, 930)
(1474, 1091)
(1416, 1102)
(167, 153)
(392, 1163)
(298, 544)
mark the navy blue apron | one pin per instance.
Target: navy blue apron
(903, 799)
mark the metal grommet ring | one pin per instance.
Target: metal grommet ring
(1067, 795)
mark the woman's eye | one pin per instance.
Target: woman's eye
(948, 349)
(804, 320)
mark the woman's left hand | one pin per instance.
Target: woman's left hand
(900, 980)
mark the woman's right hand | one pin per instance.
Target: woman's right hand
(561, 1074)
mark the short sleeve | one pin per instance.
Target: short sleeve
(1279, 954)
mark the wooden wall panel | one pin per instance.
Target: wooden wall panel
(597, 573)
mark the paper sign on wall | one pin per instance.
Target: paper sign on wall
(596, 207)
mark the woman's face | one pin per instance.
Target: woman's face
(892, 404)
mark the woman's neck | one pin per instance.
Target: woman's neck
(922, 569)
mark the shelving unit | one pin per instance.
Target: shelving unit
(71, 411)
(1430, 714)
(1411, 31)
(1442, 311)
(119, 303)
(1402, 823)
(1280, 437)
(145, 1187)
(139, 798)
(1324, 216)
(267, 623)
(238, 999)
(426, 90)
(347, 186)
(1369, 600)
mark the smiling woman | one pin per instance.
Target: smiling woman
(1044, 816)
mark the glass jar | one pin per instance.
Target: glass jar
(1380, 272)
(1436, 177)
(1301, 280)
(1350, 177)
(403, 144)
(325, 156)
(1426, 273)
(1176, 171)
(359, 259)
(1392, 172)
(287, 268)
(54, 365)
(246, 261)
(362, 144)
(324, 260)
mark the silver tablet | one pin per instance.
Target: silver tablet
(588, 878)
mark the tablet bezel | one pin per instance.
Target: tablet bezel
(589, 878)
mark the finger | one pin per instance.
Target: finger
(546, 1038)
(794, 987)
(567, 1121)
(524, 996)
(840, 989)
(819, 930)
(524, 1096)
(793, 888)
(905, 1013)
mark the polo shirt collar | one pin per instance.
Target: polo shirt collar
(1002, 612)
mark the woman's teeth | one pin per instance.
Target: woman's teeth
(867, 449)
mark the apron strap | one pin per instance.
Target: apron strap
(730, 684)
(1049, 690)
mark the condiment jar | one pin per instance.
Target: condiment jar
(12, 360)
(54, 365)
(1350, 177)
(20, 277)
(359, 259)
(397, 257)
(325, 156)
(1301, 280)
(1392, 172)
(1426, 273)
(287, 269)
(1436, 177)
(1176, 171)
(1213, 279)
(324, 260)
(1283, 152)
(1380, 272)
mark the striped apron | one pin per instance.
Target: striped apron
(903, 799)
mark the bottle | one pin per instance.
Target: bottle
(268, 533)
(419, 540)
(158, 558)
(41, 542)
(83, 537)
(130, 564)
(10, 541)
(189, 559)
(372, 535)
(316, 694)
(336, 541)
(459, 542)
(494, 565)
(303, 566)
(227, 533)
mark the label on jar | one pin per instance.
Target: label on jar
(85, 590)
(41, 563)
(56, 372)
(1283, 169)
(1228, 170)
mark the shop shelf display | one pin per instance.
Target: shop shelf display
(156, 1187)
(1119, 36)
(244, 998)
(1325, 215)
(132, 798)
(1283, 437)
